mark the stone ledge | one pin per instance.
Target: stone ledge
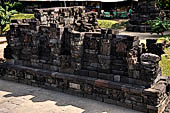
(126, 95)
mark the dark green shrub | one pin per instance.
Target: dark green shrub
(6, 11)
(164, 4)
(159, 26)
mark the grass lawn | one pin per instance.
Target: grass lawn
(22, 16)
(112, 24)
(106, 23)
(165, 62)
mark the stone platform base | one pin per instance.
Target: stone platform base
(138, 28)
(149, 100)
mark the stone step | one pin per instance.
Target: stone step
(122, 94)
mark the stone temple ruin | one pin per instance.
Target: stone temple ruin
(63, 49)
(146, 10)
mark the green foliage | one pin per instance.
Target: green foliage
(159, 26)
(19, 16)
(164, 4)
(13, 5)
(164, 38)
(6, 11)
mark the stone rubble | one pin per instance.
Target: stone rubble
(72, 17)
(146, 10)
(100, 65)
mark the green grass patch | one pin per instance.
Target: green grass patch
(164, 38)
(22, 16)
(106, 23)
(165, 63)
(120, 25)
(112, 24)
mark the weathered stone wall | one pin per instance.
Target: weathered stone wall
(146, 10)
(97, 54)
(72, 17)
(149, 100)
(99, 65)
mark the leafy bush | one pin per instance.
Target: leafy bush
(166, 38)
(20, 17)
(164, 4)
(6, 11)
(13, 5)
(5, 15)
(159, 26)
